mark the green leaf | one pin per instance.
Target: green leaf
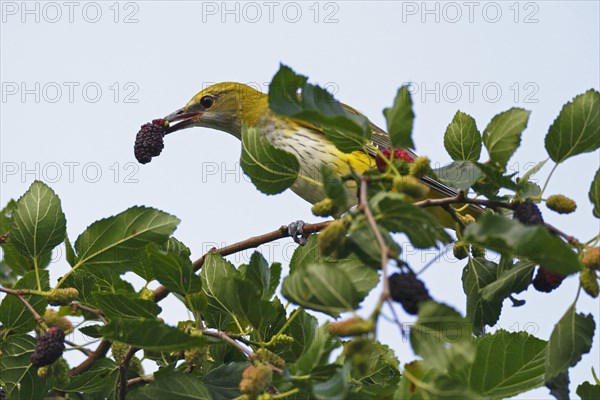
(118, 242)
(364, 245)
(443, 338)
(115, 306)
(37, 223)
(422, 382)
(150, 335)
(303, 329)
(15, 365)
(259, 274)
(224, 381)
(70, 252)
(271, 170)
(379, 374)
(227, 294)
(307, 254)
(513, 280)
(334, 188)
(594, 194)
(13, 313)
(576, 130)
(587, 391)
(400, 118)
(462, 140)
(101, 379)
(335, 388)
(103, 280)
(571, 338)
(502, 136)
(532, 242)
(321, 287)
(477, 274)
(315, 280)
(175, 273)
(398, 215)
(460, 175)
(317, 351)
(172, 385)
(291, 96)
(559, 386)
(506, 364)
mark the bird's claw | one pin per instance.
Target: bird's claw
(296, 231)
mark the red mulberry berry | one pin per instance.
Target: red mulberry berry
(528, 214)
(546, 281)
(49, 347)
(399, 154)
(149, 140)
(409, 291)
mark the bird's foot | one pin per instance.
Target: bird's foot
(296, 231)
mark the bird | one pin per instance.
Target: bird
(228, 106)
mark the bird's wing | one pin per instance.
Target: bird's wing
(381, 140)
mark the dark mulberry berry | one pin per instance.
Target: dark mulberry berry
(49, 347)
(546, 281)
(399, 154)
(409, 291)
(149, 140)
(528, 214)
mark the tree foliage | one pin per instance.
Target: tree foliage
(242, 342)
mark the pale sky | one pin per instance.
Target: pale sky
(79, 79)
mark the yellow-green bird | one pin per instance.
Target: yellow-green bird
(227, 106)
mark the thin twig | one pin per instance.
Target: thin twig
(249, 353)
(460, 198)
(17, 293)
(161, 292)
(383, 247)
(75, 346)
(91, 310)
(123, 368)
(140, 379)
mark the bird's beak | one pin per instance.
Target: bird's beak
(182, 119)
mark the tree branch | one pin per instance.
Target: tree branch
(17, 293)
(161, 292)
(123, 368)
(249, 353)
(385, 250)
(97, 354)
(91, 310)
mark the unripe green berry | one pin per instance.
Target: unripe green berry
(561, 204)
(255, 378)
(332, 239)
(61, 297)
(354, 326)
(51, 318)
(195, 356)
(477, 251)
(146, 294)
(591, 258)
(282, 338)
(119, 349)
(410, 186)
(270, 357)
(324, 208)
(460, 250)
(589, 282)
(420, 167)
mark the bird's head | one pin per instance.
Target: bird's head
(224, 106)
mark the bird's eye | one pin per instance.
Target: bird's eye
(207, 101)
